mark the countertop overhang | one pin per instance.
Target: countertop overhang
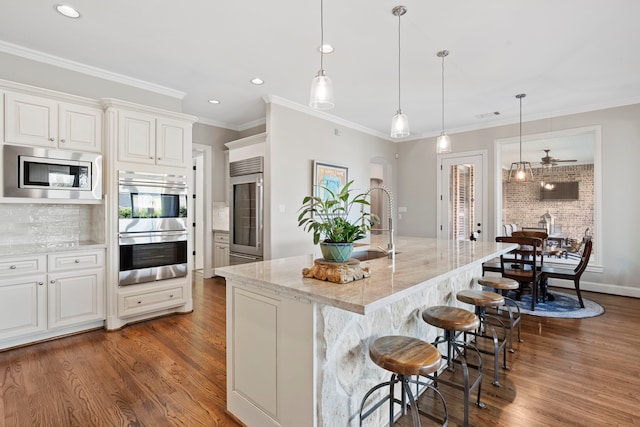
(418, 263)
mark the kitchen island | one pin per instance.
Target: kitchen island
(297, 348)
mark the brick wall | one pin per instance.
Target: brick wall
(521, 202)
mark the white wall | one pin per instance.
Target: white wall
(620, 195)
(295, 139)
(34, 73)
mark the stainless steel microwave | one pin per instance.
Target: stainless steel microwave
(41, 173)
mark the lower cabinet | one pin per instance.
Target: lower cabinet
(220, 249)
(143, 299)
(42, 296)
(76, 297)
(23, 306)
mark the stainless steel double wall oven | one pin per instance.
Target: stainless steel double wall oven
(153, 231)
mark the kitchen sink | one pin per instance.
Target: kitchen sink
(367, 255)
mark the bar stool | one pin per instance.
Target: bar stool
(504, 285)
(481, 300)
(455, 321)
(404, 356)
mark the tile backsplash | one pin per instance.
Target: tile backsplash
(48, 224)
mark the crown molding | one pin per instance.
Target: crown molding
(273, 99)
(57, 61)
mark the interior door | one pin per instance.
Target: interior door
(462, 213)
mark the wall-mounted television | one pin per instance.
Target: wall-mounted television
(560, 191)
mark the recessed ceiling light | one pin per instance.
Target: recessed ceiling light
(214, 101)
(68, 11)
(325, 48)
(257, 81)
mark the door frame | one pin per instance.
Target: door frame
(484, 191)
(207, 206)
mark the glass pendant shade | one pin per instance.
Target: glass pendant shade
(321, 92)
(400, 125)
(443, 144)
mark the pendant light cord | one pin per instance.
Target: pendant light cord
(321, 35)
(443, 56)
(521, 130)
(399, 107)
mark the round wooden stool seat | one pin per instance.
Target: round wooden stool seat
(501, 283)
(451, 318)
(480, 298)
(405, 355)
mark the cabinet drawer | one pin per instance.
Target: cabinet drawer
(221, 237)
(134, 304)
(76, 260)
(26, 265)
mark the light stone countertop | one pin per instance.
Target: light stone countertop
(419, 262)
(45, 248)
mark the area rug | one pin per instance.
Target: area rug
(563, 305)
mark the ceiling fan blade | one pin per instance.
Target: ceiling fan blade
(558, 160)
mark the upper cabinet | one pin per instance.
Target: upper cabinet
(151, 137)
(145, 138)
(45, 122)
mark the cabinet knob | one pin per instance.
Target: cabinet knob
(63, 141)
(170, 295)
(40, 283)
(139, 302)
(13, 267)
(52, 139)
(77, 261)
(53, 282)
(151, 157)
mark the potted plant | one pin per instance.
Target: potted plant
(329, 218)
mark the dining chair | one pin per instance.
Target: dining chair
(567, 273)
(523, 264)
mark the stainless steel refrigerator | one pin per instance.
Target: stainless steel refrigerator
(246, 210)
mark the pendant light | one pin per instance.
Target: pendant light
(321, 87)
(520, 171)
(399, 122)
(443, 143)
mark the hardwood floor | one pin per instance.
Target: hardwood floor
(171, 371)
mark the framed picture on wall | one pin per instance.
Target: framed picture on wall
(333, 177)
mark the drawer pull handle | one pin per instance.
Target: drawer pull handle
(77, 261)
(13, 267)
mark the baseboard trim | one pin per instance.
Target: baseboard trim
(625, 291)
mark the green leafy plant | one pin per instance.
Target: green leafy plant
(328, 217)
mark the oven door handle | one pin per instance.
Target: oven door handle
(164, 233)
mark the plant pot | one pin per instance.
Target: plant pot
(337, 252)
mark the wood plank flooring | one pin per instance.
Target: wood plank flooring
(171, 372)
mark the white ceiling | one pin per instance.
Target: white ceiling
(568, 56)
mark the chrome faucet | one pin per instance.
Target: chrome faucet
(391, 247)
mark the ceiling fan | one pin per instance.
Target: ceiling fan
(548, 161)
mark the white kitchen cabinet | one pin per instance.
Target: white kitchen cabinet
(75, 288)
(220, 249)
(43, 296)
(135, 300)
(145, 138)
(44, 122)
(23, 306)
